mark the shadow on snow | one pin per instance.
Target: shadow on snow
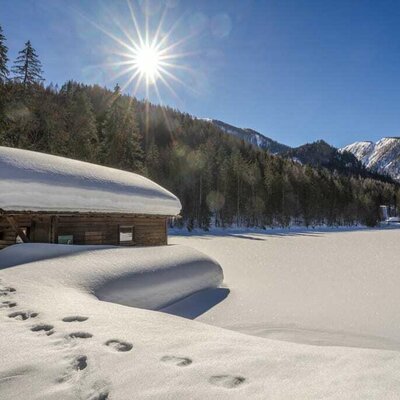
(263, 234)
(198, 303)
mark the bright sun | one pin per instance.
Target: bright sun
(149, 57)
(147, 61)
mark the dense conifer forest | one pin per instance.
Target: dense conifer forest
(219, 179)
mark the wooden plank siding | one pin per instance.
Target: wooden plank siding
(88, 228)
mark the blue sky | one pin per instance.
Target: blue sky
(296, 71)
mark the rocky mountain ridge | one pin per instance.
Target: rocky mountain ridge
(382, 157)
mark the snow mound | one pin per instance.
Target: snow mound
(130, 276)
(62, 184)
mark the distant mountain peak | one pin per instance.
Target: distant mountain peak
(251, 136)
(382, 157)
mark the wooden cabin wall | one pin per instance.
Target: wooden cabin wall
(7, 234)
(86, 229)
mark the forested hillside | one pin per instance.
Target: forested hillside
(220, 179)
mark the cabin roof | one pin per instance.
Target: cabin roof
(32, 181)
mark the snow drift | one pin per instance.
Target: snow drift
(62, 184)
(137, 277)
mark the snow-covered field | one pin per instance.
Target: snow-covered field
(71, 327)
(310, 286)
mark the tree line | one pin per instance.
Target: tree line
(220, 179)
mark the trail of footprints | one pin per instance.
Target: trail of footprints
(80, 362)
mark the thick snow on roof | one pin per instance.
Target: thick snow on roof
(31, 181)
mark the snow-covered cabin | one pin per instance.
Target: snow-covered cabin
(45, 198)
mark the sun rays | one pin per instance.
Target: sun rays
(145, 59)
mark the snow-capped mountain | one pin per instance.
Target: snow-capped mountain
(252, 136)
(382, 156)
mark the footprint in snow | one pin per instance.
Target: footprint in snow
(119, 345)
(80, 363)
(75, 318)
(8, 304)
(43, 328)
(227, 381)
(80, 335)
(178, 361)
(100, 396)
(6, 291)
(23, 315)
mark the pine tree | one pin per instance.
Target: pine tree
(121, 137)
(81, 127)
(3, 58)
(239, 165)
(27, 67)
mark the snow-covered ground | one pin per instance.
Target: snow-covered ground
(327, 286)
(71, 327)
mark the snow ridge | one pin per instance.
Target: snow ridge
(128, 276)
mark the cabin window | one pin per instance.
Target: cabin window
(2, 235)
(25, 230)
(125, 234)
(65, 239)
